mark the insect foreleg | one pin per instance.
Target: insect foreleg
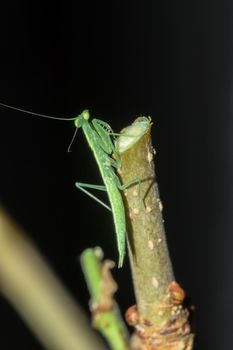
(107, 128)
(102, 135)
(103, 124)
(81, 186)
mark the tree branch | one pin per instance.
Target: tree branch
(159, 317)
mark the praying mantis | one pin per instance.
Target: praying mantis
(98, 135)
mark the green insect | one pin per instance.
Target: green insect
(98, 135)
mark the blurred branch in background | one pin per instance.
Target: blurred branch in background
(30, 286)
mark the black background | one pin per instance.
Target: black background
(121, 59)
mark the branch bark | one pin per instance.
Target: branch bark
(159, 318)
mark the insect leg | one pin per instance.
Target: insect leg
(81, 186)
(136, 181)
(103, 124)
(104, 133)
(95, 187)
(102, 130)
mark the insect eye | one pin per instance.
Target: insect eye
(85, 114)
(77, 122)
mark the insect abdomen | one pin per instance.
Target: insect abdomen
(118, 211)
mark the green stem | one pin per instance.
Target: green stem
(105, 313)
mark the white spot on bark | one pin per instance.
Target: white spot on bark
(140, 329)
(135, 211)
(149, 157)
(160, 204)
(155, 282)
(148, 209)
(150, 244)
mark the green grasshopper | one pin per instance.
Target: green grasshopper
(98, 135)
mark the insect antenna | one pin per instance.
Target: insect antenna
(33, 113)
(72, 140)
